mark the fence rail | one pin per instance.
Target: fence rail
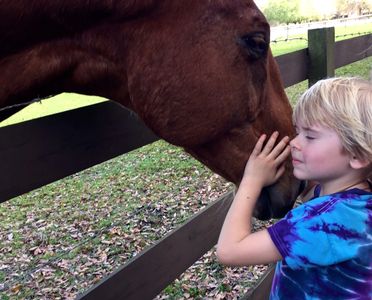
(56, 146)
(285, 31)
(59, 145)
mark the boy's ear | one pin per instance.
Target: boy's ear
(359, 163)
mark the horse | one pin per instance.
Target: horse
(199, 73)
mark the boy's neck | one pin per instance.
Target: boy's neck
(331, 188)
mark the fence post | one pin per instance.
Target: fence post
(321, 43)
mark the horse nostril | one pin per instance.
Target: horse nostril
(255, 45)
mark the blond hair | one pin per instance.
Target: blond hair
(344, 105)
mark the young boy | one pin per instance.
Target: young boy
(324, 246)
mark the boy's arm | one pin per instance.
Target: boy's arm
(236, 244)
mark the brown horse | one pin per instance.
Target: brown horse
(199, 73)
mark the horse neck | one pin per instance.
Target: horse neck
(64, 46)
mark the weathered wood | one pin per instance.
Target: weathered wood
(321, 54)
(352, 50)
(40, 151)
(293, 67)
(150, 272)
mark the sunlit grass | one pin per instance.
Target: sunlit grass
(299, 41)
(53, 105)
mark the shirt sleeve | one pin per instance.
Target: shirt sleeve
(318, 235)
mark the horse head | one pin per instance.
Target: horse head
(200, 74)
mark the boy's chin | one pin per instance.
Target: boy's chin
(298, 175)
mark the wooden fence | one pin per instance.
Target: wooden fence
(37, 152)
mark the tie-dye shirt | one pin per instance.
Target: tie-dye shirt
(326, 245)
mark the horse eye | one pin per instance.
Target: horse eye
(255, 44)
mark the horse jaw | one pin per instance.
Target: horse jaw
(227, 157)
(214, 106)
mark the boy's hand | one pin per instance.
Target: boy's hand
(265, 164)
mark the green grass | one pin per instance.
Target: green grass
(53, 105)
(360, 68)
(123, 192)
(341, 33)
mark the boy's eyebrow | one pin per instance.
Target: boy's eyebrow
(308, 129)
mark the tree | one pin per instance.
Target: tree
(282, 11)
(352, 7)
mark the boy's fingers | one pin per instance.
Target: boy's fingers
(270, 143)
(283, 155)
(257, 149)
(280, 147)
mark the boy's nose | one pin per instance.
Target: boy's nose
(294, 143)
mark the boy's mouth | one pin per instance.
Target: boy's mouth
(295, 161)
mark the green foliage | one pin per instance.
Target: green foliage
(346, 7)
(282, 11)
(174, 290)
(296, 11)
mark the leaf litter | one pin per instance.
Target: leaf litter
(61, 239)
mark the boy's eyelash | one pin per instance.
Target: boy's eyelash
(308, 137)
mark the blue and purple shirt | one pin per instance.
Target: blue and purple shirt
(326, 245)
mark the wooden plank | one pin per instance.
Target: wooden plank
(40, 151)
(321, 54)
(293, 67)
(352, 50)
(262, 289)
(151, 271)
